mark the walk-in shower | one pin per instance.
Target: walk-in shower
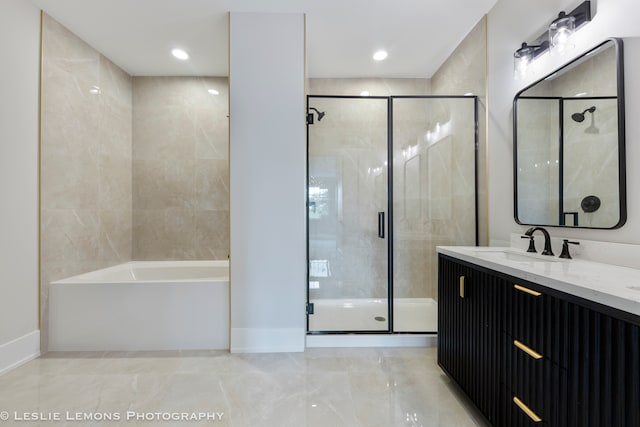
(389, 179)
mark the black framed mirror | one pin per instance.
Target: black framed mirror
(569, 144)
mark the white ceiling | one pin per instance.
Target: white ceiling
(341, 34)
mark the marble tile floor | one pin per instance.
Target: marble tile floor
(364, 387)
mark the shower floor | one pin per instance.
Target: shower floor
(368, 314)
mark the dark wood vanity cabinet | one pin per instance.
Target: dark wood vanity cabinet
(528, 355)
(469, 332)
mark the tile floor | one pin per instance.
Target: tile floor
(363, 387)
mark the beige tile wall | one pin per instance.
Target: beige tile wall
(180, 168)
(465, 72)
(85, 160)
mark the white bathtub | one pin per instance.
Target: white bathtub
(142, 305)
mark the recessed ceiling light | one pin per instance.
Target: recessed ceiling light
(380, 55)
(365, 93)
(213, 92)
(180, 54)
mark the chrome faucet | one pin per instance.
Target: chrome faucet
(547, 239)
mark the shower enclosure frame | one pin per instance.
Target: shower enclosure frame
(390, 241)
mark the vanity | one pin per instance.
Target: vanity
(538, 340)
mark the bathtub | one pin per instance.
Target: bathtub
(142, 305)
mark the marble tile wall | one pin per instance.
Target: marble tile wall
(86, 187)
(180, 168)
(465, 72)
(374, 86)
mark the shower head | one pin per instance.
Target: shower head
(579, 117)
(320, 113)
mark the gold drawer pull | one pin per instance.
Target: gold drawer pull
(527, 290)
(527, 350)
(461, 286)
(526, 410)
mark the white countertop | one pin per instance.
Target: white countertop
(607, 284)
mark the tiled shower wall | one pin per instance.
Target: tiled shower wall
(180, 168)
(465, 72)
(85, 160)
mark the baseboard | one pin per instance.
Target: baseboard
(267, 340)
(372, 340)
(19, 351)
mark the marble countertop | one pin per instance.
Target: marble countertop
(607, 284)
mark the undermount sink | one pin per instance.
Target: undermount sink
(516, 256)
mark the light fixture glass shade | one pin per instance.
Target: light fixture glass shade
(521, 60)
(560, 32)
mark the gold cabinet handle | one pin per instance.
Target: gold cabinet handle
(461, 286)
(527, 350)
(527, 290)
(534, 417)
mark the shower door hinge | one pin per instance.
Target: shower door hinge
(310, 308)
(310, 118)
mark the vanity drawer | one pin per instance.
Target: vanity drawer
(524, 311)
(538, 384)
(537, 319)
(515, 412)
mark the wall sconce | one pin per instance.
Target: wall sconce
(560, 31)
(523, 57)
(557, 37)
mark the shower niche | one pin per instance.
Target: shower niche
(389, 179)
(569, 154)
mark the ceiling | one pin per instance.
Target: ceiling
(341, 34)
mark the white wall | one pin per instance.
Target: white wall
(267, 182)
(19, 110)
(512, 22)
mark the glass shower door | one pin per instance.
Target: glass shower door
(348, 214)
(434, 198)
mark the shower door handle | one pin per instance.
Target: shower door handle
(381, 225)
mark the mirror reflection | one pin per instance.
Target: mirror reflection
(569, 144)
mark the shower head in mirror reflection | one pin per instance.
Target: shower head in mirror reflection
(579, 117)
